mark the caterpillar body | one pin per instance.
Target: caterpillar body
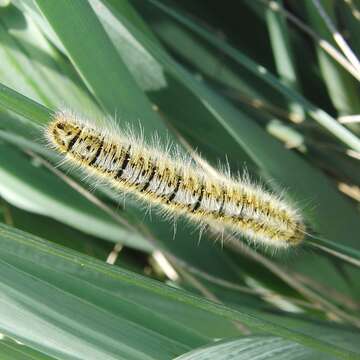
(177, 186)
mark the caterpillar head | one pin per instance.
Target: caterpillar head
(61, 134)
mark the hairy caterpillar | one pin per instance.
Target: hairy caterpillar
(178, 187)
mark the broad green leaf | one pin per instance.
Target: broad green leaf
(29, 187)
(133, 55)
(12, 350)
(100, 66)
(51, 287)
(254, 347)
(147, 72)
(32, 66)
(55, 231)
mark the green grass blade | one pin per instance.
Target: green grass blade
(22, 105)
(283, 54)
(342, 87)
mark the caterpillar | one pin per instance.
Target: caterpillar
(178, 187)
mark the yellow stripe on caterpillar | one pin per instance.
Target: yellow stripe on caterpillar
(177, 186)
